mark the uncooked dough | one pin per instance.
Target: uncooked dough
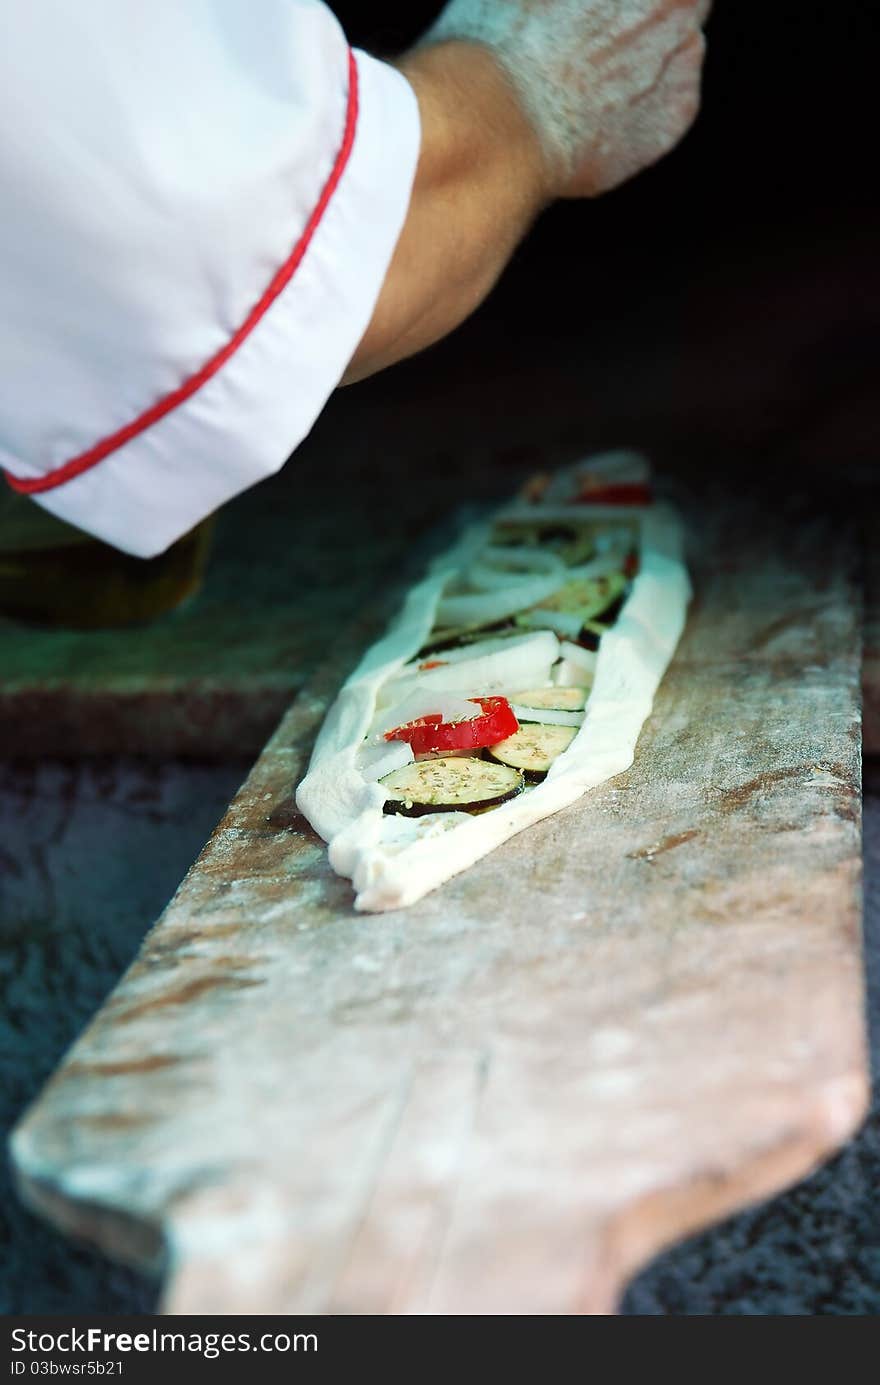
(392, 860)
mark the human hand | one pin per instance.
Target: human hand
(610, 86)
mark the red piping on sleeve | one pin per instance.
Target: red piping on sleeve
(77, 465)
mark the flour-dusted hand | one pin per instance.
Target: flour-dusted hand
(609, 85)
(523, 102)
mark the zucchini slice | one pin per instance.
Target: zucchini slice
(533, 748)
(588, 597)
(577, 606)
(571, 699)
(448, 784)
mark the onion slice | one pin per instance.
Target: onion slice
(565, 624)
(485, 608)
(489, 666)
(576, 665)
(496, 565)
(546, 716)
(375, 761)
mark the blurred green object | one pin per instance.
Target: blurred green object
(54, 575)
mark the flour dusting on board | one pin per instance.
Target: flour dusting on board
(518, 675)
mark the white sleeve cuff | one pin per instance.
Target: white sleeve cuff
(239, 418)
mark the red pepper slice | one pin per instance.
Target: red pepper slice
(631, 564)
(624, 493)
(429, 733)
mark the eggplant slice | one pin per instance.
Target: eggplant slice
(450, 784)
(555, 699)
(533, 748)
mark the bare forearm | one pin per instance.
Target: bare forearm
(481, 182)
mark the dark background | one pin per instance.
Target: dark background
(730, 295)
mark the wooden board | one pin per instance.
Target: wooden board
(639, 1016)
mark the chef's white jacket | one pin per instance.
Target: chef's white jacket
(199, 204)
